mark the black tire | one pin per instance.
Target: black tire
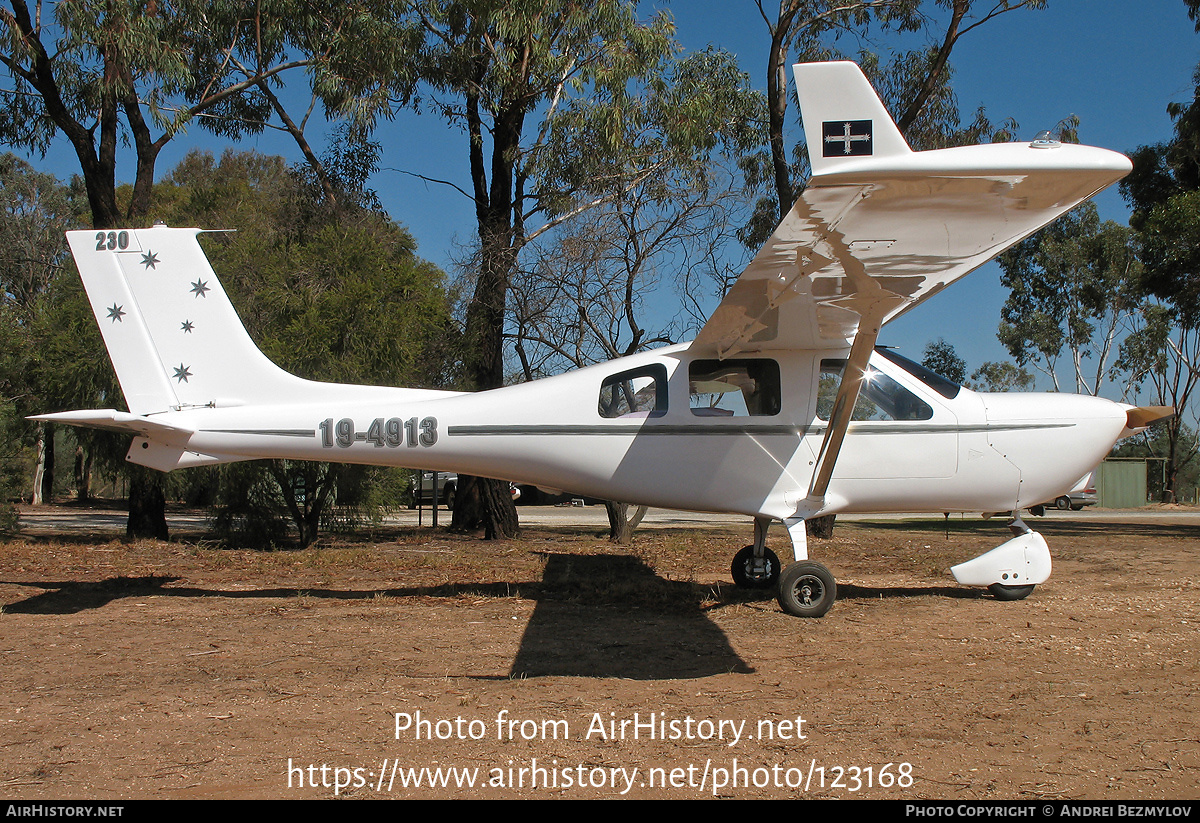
(743, 569)
(1062, 503)
(448, 496)
(1009, 593)
(807, 589)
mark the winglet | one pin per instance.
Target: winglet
(845, 122)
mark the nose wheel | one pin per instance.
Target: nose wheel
(806, 589)
(1002, 592)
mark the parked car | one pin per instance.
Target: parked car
(447, 488)
(1084, 494)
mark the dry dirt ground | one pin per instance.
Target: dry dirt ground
(558, 665)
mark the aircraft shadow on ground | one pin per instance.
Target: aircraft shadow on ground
(595, 615)
(612, 616)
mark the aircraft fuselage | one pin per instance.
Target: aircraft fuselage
(688, 448)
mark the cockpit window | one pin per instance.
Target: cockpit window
(944, 386)
(635, 393)
(734, 388)
(880, 398)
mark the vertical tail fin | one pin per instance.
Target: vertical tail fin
(845, 122)
(174, 337)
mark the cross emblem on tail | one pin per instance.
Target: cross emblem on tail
(844, 138)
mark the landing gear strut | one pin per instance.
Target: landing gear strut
(756, 567)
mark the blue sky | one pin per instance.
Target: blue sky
(1113, 63)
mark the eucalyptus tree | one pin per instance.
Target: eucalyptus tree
(999, 376)
(566, 106)
(138, 73)
(941, 358)
(1074, 291)
(35, 210)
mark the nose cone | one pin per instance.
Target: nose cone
(1053, 439)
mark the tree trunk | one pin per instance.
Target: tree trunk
(47, 486)
(620, 522)
(480, 503)
(488, 503)
(147, 508)
(777, 101)
(83, 474)
(85, 489)
(820, 526)
(35, 496)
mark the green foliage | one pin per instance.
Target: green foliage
(276, 503)
(1170, 235)
(35, 209)
(103, 73)
(331, 294)
(1073, 286)
(1164, 192)
(14, 463)
(941, 358)
(1164, 347)
(48, 337)
(250, 509)
(689, 111)
(1000, 376)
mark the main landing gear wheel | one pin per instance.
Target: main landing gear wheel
(806, 589)
(1002, 592)
(751, 575)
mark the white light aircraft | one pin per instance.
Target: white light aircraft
(782, 408)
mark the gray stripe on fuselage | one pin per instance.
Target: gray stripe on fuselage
(668, 429)
(269, 432)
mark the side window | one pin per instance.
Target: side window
(634, 393)
(734, 388)
(881, 397)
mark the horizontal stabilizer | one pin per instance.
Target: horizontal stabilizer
(117, 421)
(158, 445)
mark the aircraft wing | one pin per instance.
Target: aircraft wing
(881, 227)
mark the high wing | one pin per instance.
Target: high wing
(881, 227)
